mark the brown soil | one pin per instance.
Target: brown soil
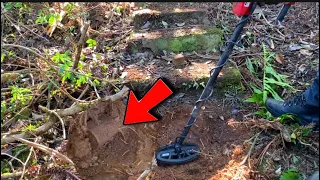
(103, 148)
(215, 137)
(193, 69)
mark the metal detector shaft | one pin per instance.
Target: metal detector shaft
(209, 86)
(283, 12)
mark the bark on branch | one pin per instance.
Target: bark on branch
(80, 45)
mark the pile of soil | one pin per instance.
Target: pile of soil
(103, 148)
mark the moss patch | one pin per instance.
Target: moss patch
(208, 40)
(195, 42)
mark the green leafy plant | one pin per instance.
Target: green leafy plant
(119, 9)
(291, 174)
(271, 82)
(19, 5)
(2, 57)
(64, 61)
(299, 133)
(91, 42)
(20, 95)
(65, 64)
(49, 18)
(29, 128)
(5, 167)
(195, 85)
(70, 6)
(251, 64)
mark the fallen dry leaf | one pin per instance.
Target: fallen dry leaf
(165, 24)
(286, 134)
(279, 58)
(271, 44)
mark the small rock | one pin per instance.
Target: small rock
(210, 168)
(222, 118)
(179, 59)
(210, 116)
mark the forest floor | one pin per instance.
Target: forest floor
(62, 119)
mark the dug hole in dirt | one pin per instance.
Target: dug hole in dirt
(103, 148)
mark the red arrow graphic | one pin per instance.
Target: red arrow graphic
(138, 111)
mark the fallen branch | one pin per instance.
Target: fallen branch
(45, 149)
(265, 150)
(250, 151)
(57, 115)
(80, 45)
(52, 119)
(84, 92)
(27, 160)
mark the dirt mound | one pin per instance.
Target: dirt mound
(102, 148)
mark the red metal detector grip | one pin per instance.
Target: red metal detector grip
(289, 3)
(242, 8)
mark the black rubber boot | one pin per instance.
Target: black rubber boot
(297, 106)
